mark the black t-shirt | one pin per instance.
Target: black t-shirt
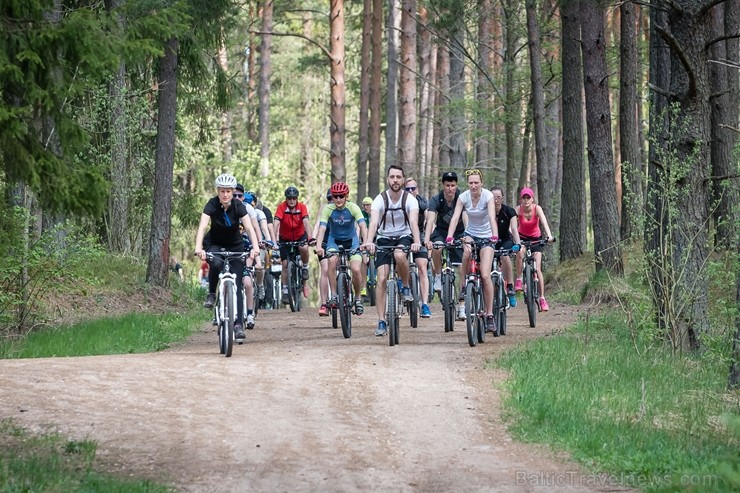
(268, 213)
(503, 219)
(224, 230)
(445, 212)
(423, 206)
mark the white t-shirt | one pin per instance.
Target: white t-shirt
(395, 223)
(479, 224)
(251, 212)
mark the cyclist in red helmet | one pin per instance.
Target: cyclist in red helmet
(292, 224)
(343, 218)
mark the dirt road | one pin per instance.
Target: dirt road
(299, 408)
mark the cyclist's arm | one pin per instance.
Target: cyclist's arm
(492, 216)
(265, 230)
(414, 225)
(514, 228)
(204, 220)
(247, 224)
(372, 230)
(430, 224)
(307, 226)
(363, 231)
(276, 224)
(320, 239)
(455, 218)
(543, 220)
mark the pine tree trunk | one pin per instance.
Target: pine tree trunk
(373, 176)
(458, 123)
(598, 125)
(391, 96)
(164, 160)
(337, 126)
(407, 91)
(573, 213)
(364, 130)
(264, 87)
(427, 59)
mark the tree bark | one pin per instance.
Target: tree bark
(543, 191)
(629, 122)
(573, 212)
(442, 105)
(225, 133)
(337, 126)
(458, 124)
(264, 88)
(427, 58)
(164, 160)
(407, 90)
(373, 176)
(607, 248)
(512, 103)
(391, 108)
(483, 88)
(363, 131)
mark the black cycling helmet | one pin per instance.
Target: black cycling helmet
(291, 193)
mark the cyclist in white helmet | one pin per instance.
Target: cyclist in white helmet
(225, 213)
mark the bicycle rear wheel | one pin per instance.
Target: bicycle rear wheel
(530, 295)
(414, 304)
(345, 309)
(471, 313)
(448, 301)
(481, 319)
(499, 303)
(294, 287)
(372, 279)
(391, 311)
(226, 334)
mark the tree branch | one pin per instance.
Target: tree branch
(673, 43)
(661, 91)
(721, 38)
(315, 43)
(721, 178)
(727, 63)
(648, 4)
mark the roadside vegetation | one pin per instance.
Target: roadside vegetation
(612, 392)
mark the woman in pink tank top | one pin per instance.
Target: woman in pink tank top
(532, 222)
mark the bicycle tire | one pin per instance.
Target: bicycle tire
(228, 322)
(345, 309)
(499, 303)
(391, 308)
(293, 296)
(481, 325)
(372, 279)
(414, 304)
(471, 314)
(530, 295)
(448, 301)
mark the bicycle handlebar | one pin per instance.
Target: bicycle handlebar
(529, 243)
(439, 245)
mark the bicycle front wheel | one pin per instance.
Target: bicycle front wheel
(227, 332)
(530, 295)
(345, 309)
(372, 279)
(448, 301)
(391, 311)
(414, 304)
(471, 313)
(294, 291)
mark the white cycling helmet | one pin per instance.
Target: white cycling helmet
(225, 181)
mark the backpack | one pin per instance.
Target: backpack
(388, 209)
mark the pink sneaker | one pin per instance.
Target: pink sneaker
(543, 304)
(323, 311)
(518, 286)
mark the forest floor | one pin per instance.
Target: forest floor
(300, 408)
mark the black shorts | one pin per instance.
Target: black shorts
(383, 257)
(285, 249)
(535, 248)
(456, 254)
(504, 244)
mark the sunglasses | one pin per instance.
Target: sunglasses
(338, 196)
(239, 195)
(476, 171)
(410, 189)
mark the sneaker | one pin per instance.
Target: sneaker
(304, 273)
(382, 328)
(543, 304)
(239, 334)
(286, 301)
(250, 322)
(323, 311)
(425, 311)
(518, 285)
(512, 297)
(260, 292)
(491, 325)
(363, 292)
(210, 300)
(359, 309)
(406, 293)
(438, 283)
(461, 312)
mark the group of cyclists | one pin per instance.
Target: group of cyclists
(397, 217)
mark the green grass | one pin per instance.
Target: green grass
(51, 463)
(132, 333)
(638, 412)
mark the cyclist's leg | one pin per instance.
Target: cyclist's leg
(284, 274)
(402, 260)
(248, 285)
(323, 278)
(540, 277)
(332, 276)
(422, 262)
(382, 263)
(237, 267)
(356, 265)
(486, 262)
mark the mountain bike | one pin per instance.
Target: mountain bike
(372, 280)
(448, 296)
(475, 314)
(394, 305)
(295, 279)
(345, 290)
(531, 282)
(500, 299)
(225, 308)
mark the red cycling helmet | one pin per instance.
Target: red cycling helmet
(340, 188)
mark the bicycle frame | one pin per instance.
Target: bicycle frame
(531, 281)
(448, 296)
(225, 319)
(295, 280)
(345, 289)
(394, 307)
(474, 302)
(500, 300)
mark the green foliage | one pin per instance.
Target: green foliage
(133, 333)
(625, 407)
(45, 463)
